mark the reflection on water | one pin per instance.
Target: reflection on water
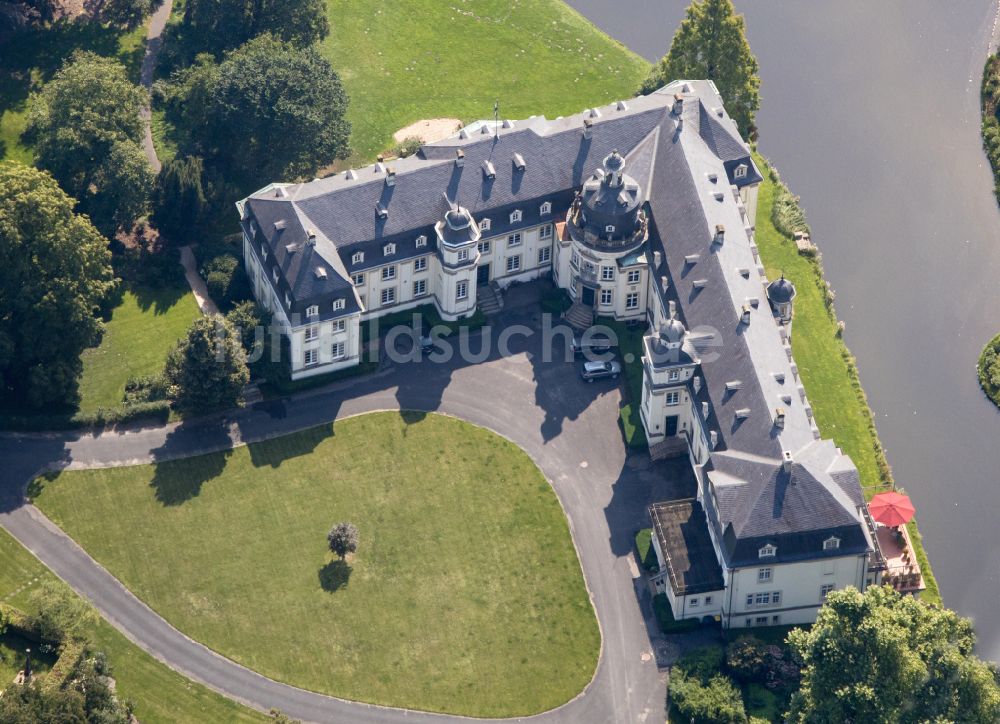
(871, 112)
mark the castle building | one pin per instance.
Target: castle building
(642, 211)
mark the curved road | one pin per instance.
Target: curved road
(569, 429)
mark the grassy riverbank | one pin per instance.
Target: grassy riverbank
(827, 367)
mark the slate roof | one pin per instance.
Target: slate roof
(685, 169)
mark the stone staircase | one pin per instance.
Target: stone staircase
(489, 300)
(671, 447)
(579, 316)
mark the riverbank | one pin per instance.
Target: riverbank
(827, 367)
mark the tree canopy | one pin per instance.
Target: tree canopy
(56, 271)
(711, 43)
(884, 658)
(208, 368)
(230, 23)
(343, 539)
(277, 111)
(87, 131)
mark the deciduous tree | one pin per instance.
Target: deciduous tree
(343, 539)
(56, 270)
(179, 198)
(230, 23)
(208, 368)
(711, 43)
(884, 658)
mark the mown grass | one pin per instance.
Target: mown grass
(142, 329)
(30, 58)
(826, 365)
(161, 696)
(404, 60)
(465, 595)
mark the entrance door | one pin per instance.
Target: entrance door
(671, 425)
(483, 274)
(588, 296)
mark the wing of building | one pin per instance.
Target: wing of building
(641, 210)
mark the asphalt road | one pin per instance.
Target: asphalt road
(568, 427)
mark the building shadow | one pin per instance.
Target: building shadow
(334, 575)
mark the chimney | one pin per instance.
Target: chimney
(381, 212)
(692, 258)
(786, 460)
(350, 174)
(588, 128)
(779, 416)
(459, 157)
(704, 410)
(311, 237)
(380, 158)
(713, 439)
(390, 176)
(678, 104)
(519, 162)
(488, 170)
(657, 259)
(745, 316)
(720, 233)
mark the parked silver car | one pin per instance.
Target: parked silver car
(591, 371)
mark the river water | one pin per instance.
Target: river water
(871, 112)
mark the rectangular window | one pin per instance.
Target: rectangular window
(674, 375)
(358, 279)
(514, 239)
(763, 575)
(762, 599)
(513, 263)
(673, 397)
(825, 590)
(575, 260)
(607, 273)
(388, 272)
(606, 297)
(544, 255)
(749, 600)
(388, 296)
(749, 622)
(419, 287)
(634, 275)
(484, 247)
(708, 600)
(775, 620)
(463, 255)
(545, 232)
(632, 300)
(461, 290)
(338, 350)
(762, 620)
(694, 602)
(312, 333)
(339, 325)
(776, 598)
(311, 357)
(420, 264)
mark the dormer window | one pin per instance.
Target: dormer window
(609, 229)
(484, 224)
(274, 274)
(831, 544)
(358, 257)
(288, 300)
(338, 304)
(767, 551)
(545, 208)
(388, 250)
(515, 216)
(263, 252)
(741, 171)
(312, 311)
(421, 241)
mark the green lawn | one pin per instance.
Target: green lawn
(827, 367)
(404, 60)
(465, 596)
(142, 329)
(29, 59)
(161, 696)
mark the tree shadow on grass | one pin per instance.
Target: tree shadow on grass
(273, 453)
(177, 481)
(158, 299)
(334, 575)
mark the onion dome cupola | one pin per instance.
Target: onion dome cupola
(780, 294)
(458, 227)
(609, 206)
(669, 345)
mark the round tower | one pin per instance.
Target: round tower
(780, 294)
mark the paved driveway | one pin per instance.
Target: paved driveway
(568, 427)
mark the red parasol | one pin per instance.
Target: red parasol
(892, 509)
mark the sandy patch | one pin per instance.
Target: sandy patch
(428, 130)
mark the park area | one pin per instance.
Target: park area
(465, 595)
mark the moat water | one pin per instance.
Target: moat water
(871, 113)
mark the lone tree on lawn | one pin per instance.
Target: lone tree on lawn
(343, 539)
(884, 658)
(208, 368)
(711, 43)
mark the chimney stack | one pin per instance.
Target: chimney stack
(786, 461)
(390, 176)
(588, 128)
(779, 417)
(720, 233)
(745, 316)
(678, 104)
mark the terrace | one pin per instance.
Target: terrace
(680, 532)
(902, 569)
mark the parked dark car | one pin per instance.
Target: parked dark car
(592, 344)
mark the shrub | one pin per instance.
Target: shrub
(702, 662)
(786, 213)
(989, 369)
(60, 614)
(408, 146)
(147, 262)
(148, 388)
(746, 659)
(226, 281)
(716, 701)
(644, 547)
